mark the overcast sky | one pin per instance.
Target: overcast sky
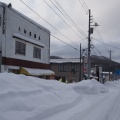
(106, 36)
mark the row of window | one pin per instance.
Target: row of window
(30, 33)
(20, 48)
(67, 68)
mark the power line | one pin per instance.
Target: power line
(94, 51)
(84, 3)
(62, 46)
(46, 21)
(106, 43)
(67, 16)
(65, 42)
(83, 6)
(63, 19)
(100, 36)
(99, 51)
(53, 27)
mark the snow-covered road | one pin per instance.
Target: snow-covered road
(28, 98)
(105, 108)
(86, 107)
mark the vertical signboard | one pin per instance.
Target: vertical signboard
(85, 62)
(100, 75)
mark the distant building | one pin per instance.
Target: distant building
(67, 69)
(23, 43)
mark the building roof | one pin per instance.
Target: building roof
(65, 60)
(36, 72)
(25, 17)
(28, 40)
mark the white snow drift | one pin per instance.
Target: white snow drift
(29, 98)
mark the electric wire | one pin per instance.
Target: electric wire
(64, 42)
(53, 35)
(98, 32)
(84, 3)
(46, 21)
(85, 7)
(94, 52)
(99, 52)
(68, 17)
(86, 11)
(106, 43)
(60, 32)
(63, 20)
(100, 36)
(62, 46)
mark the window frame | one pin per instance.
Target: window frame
(36, 52)
(20, 48)
(63, 67)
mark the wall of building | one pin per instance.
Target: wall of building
(1, 26)
(68, 74)
(16, 23)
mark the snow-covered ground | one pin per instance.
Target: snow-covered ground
(29, 98)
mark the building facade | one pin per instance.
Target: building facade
(67, 69)
(23, 42)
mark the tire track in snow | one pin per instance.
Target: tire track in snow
(101, 110)
(115, 113)
(11, 94)
(45, 115)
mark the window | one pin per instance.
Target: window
(34, 35)
(37, 53)
(75, 67)
(19, 28)
(0, 20)
(39, 38)
(20, 48)
(25, 31)
(30, 33)
(63, 68)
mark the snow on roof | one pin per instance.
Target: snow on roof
(92, 71)
(87, 75)
(33, 71)
(28, 39)
(65, 60)
(106, 72)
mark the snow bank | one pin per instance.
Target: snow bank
(113, 84)
(90, 87)
(24, 96)
(29, 98)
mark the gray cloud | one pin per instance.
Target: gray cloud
(105, 13)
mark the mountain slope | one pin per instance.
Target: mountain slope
(104, 62)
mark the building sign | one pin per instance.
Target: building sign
(117, 72)
(100, 74)
(85, 65)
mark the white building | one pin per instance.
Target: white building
(23, 42)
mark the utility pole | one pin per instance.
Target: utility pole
(80, 64)
(109, 64)
(89, 32)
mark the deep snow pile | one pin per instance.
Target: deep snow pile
(90, 87)
(29, 98)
